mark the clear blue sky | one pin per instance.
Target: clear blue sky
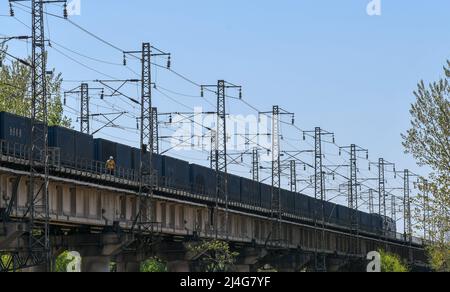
(328, 61)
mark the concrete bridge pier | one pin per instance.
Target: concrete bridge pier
(95, 264)
(181, 266)
(98, 250)
(128, 267)
(128, 263)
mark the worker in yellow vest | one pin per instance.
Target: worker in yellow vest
(110, 166)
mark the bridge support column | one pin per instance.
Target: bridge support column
(128, 267)
(243, 268)
(36, 269)
(178, 267)
(95, 264)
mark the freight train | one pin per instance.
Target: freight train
(78, 150)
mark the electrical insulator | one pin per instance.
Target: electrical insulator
(65, 100)
(240, 93)
(334, 140)
(170, 119)
(124, 60)
(293, 120)
(102, 95)
(202, 94)
(137, 123)
(169, 62)
(304, 137)
(340, 151)
(370, 167)
(304, 167)
(66, 15)
(11, 10)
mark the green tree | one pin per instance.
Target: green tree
(63, 261)
(5, 260)
(428, 141)
(215, 256)
(15, 92)
(153, 265)
(391, 263)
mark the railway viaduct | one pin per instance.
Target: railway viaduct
(92, 213)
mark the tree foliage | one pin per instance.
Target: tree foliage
(215, 256)
(15, 91)
(428, 141)
(153, 265)
(6, 261)
(63, 261)
(391, 263)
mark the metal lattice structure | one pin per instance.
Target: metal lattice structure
(319, 194)
(382, 190)
(219, 152)
(146, 142)
(371, 201)
(213, 159)
(426, 209)
(85, 114)
(255, 164)
(382, 205)
(293, 175)
(353, 195)
(394, 208)
(353, 186)
(155, 131)
(407, 207)
(148, 134)
(38, 214)
(276, 212)
(221, 166)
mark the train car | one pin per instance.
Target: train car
(76, 149)
(315, 208)
(234, 188)
(323, 210)
(123, 156)
(302, 208)
(365, 221)
(64, 139)
(104, 149)
(250, 193)
(343, 215)
(203, 180)
(15, 134)
(266, 196)
(287, 202)
(84, 149)
(136, 161)
(330, 213)
(176, 173)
